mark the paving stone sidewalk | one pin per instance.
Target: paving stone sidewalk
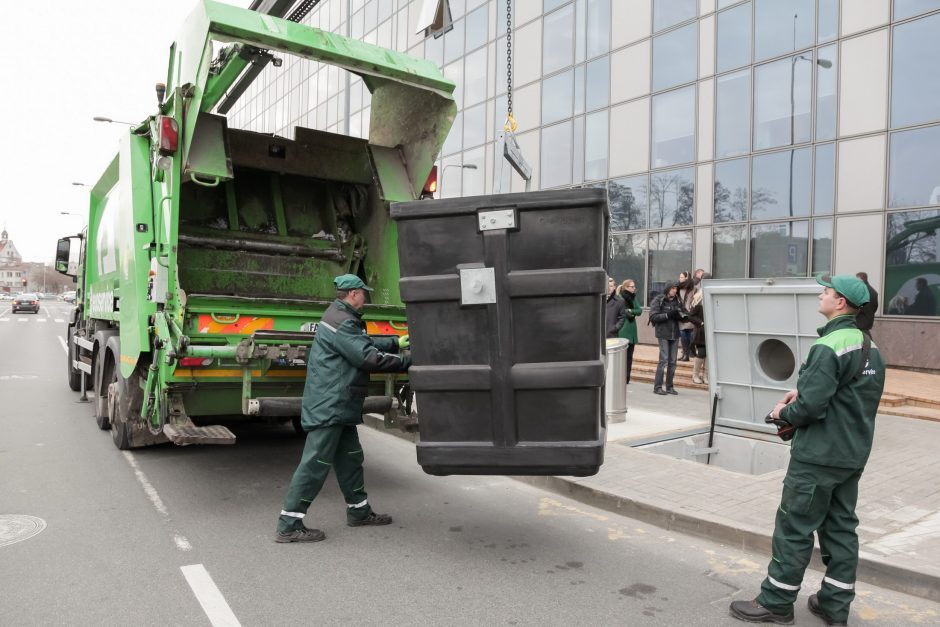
(899, 498)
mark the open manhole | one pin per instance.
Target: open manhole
(18, 527)
(747, 456)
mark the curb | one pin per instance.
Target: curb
(871, 568)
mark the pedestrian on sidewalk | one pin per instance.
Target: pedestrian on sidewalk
(341, 358)
(866, 314)
(665, 313)
(697, 317)
(831, 416)
(616, 313)
(627, 291)
(686, 291)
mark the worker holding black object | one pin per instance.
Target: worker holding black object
(341, 358)
(830, 417)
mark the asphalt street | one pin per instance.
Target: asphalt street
(184, 535)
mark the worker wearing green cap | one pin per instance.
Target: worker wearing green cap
(831, 415)
(341, 358)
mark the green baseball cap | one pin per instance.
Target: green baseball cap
(849, 285)
(350, 282)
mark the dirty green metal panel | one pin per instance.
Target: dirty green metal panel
(208, 158)
(392, 174)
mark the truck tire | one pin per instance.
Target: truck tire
(125, 399)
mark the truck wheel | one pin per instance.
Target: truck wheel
(125, 399)
(102, 411)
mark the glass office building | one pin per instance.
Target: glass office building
(754, 138)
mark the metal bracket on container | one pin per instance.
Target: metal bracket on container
(497, 219)
(704, 451)
(477, 286)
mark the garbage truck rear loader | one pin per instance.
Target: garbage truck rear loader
(210, 251)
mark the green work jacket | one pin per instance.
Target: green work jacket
(341, 358)
(834, 410)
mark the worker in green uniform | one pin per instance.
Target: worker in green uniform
(831, 415)
(341, 358)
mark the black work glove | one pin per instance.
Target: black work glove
(785, 430)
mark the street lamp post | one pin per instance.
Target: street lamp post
(824, 63)
(463, 166)
(101, 118)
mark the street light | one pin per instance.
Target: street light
(77, 184)
(463, 166)
(99, 118)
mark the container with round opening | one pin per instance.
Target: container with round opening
(776, 360)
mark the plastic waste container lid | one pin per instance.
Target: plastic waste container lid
(615, 344)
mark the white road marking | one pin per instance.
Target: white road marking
(59, 320)
(40, 319)
(209, 596)
(62, 342)
(22, 320)
(148, 489)
(4, 319)
(182, 543)
(18, 377)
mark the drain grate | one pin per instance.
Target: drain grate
(18, 527)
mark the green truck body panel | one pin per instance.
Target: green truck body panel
(224, 250)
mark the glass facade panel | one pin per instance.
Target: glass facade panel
(779, 24)
(598, 27)
(669, 12)
(548, 5)
(628, 260)
(454, 137)
(825, 179)
(557, 97)
(904, 9)
(827, 26)
(627, 200)
(822, 245)
(474, 126)
(556, 155)
(733, 114)
(598, 83)
(577, 175)
(674, 127)
(734, 37)
(558, 39)
(675, 57)
(915, 84)
(671, 198)
(597, 135)
(827, 92)
(783, 102)
(476, 28)
(474, 85)
(579, 89)
(453, 42)
(670, 253)
(781, 183)
(912, 264)
(779, 249)
(729, 252)
(913, 177)
(731, 191)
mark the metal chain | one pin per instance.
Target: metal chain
(509, 56)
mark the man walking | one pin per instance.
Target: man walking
(341, 358)
(866, 313)
(832, 412)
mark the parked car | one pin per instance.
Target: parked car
(6, 296)
(26, 302)
(68, 297)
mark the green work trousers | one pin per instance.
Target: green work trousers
(817, 499)
(336, 446)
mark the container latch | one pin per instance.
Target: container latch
(477, 286)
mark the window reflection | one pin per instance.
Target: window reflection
(598, 83)
(912, 267)
(557, 97)
(476, 28)
(558, 39)
(671, 198)
(913, 177)
(475, 77)
(595, 146)
(915, 86)
(670, 253)
(734, 37)
(669, 12)
(729, 252)
(822, 245)
(904, 9)
(824, 193)
(780, 184)
(474, 126)
(675, 57)
(733, 114)
(782, 102)
(779, 249)
(674, 127)
(453, 42)
(827, 94)
(556, 155)
(731, 191)
(598, 27)
(627, 260)
(827, 26)
(779, 24)
(626, 198)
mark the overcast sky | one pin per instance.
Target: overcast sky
(66, 62)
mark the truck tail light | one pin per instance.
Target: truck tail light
(430, 186)
(196, 362)
(167, 134)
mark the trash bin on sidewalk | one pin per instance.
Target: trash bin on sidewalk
(615, 383)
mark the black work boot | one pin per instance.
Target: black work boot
(371, 519)
(671, 391)
(753, 612)
(300, 535)
(813, 604)
(659, 391)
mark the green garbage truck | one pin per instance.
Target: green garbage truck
(210, 251)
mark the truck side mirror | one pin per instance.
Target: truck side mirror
(63, 253)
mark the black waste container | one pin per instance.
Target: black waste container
(504, 298)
